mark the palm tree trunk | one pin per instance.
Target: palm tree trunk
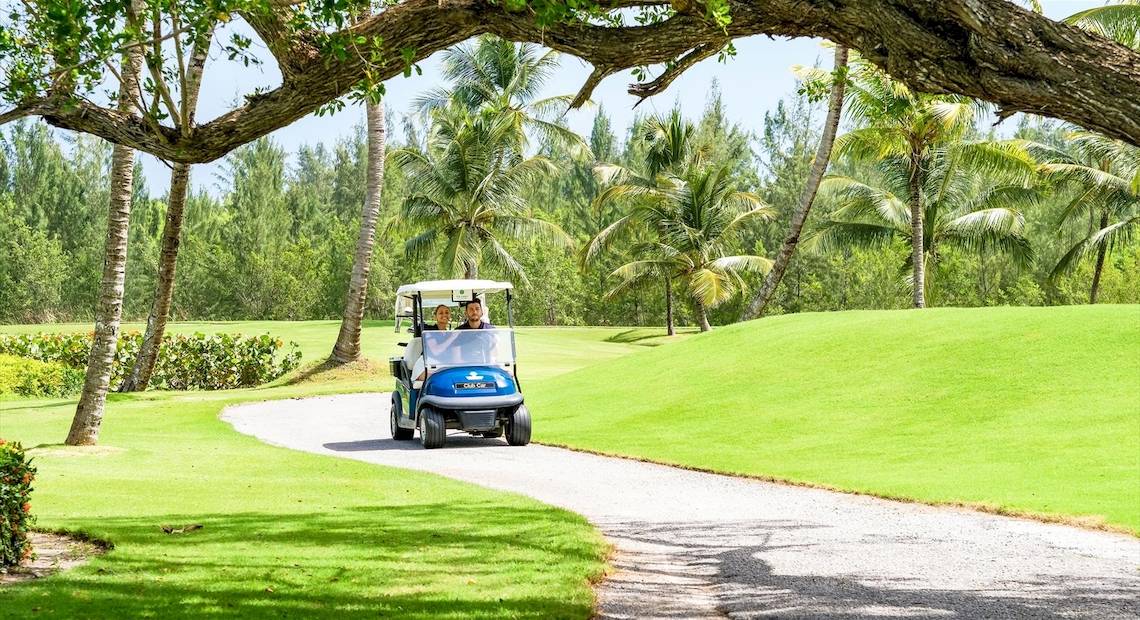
(471, 270)
(1099, 260)
(143, 368)
(818, 167)
(347, 346)
(916, 229)
(89, 412)
(669, 329)
(702, 315)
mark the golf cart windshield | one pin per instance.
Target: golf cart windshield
(468, 347)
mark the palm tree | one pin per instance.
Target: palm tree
(683, 229)
(669, 148)
(143, 368)
(907, 128)
(499, 75)
(838, 80)
(467, 189)
(1105, 177)
(92, 401)
(972, 195)
(347, 347)
(1120, 22)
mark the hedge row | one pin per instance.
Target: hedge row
(16, 475)
(30, 377)
(200, 361)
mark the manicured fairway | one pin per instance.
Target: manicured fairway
(1025, 409)
(285, 534)
(288, 534)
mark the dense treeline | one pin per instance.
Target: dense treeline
(276, 239)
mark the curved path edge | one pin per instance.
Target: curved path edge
(690, 544)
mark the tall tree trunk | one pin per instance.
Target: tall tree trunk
(702, 315)
(470, 270)
(143, 368)
(917, 252)
(89, 412)
(818, 167)
(1099, 260)
(669, 329)
(347, 346)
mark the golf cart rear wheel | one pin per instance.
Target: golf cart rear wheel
(433, 432)
(397, 409)
(518, 428)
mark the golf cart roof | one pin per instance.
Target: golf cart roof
(449, 292)
(446, 288)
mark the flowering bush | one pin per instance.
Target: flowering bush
(200, 361)
(16, 475)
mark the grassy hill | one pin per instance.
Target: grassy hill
(1020, 409)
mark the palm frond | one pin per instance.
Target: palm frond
(831, 236)
(1119, 22)
(605, 238)
(745, 262)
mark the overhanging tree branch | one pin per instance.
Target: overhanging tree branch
(989, 49)
(647, 89)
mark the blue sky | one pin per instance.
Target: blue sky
(751, 84)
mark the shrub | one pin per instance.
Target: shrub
(31, 377)
(16, 475)
(200, 361)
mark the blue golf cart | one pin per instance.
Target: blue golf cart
(456, 379)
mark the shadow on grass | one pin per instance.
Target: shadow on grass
(417, 561)
(329, 370)
(637, 336)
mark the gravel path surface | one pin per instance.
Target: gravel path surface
(695, 545)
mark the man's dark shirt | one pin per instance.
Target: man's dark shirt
(482, 325)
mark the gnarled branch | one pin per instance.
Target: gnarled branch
(646, 90)
(989, 49)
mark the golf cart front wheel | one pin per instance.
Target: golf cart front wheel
(433, 432)
(399, 434)
(518, 428)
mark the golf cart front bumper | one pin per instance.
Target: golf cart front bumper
(474, 414)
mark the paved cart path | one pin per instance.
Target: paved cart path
(695, 545)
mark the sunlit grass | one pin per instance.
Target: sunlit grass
(1021, 409)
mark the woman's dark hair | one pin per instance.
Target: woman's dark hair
(438, 307)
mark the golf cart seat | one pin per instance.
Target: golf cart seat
(413, 353)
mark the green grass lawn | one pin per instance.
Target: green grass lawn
(1023, 409)
(287, 533)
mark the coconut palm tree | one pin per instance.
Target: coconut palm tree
(466, 194)
(1104, 175)
(837, 80)
(972, 196)
(499, 75)
(907, 128)
(1120, 22)
(143, 368)
(669, 148)
(88, 417)
(347, 347)
(683, 230)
